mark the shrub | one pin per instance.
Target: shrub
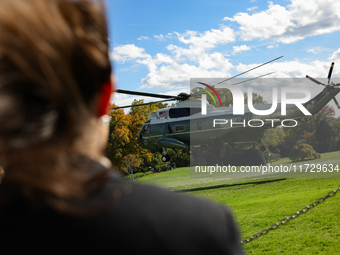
(164, 167)
(157, 168)
(303, 151)
(250, 157)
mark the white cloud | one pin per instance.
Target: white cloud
(175, 72)
(128, 52)
(208, 39)
(238, 49)
(160, 37)
(166, 72)
(272, 46)
(143, 38)
(291, 69)
(215, 61)
(178, 76)
(298, 20)
(314, 50)
(163, 58)
(198, 44)
(191, 59)
(163, 37)
(252, 8)
(153, 63)
(336, 56)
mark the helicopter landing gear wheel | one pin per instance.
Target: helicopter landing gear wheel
(165, 158)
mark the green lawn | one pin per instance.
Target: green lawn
(259, 203)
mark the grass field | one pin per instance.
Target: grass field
(259, 203)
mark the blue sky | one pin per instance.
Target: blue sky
(157, 46)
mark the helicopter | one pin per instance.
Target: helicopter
(194, 122)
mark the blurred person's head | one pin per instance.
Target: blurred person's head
(54, 85)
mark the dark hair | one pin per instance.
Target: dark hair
(53, 62)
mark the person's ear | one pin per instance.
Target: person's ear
(104, 97)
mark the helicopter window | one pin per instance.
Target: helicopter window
(147, 129)
(179, 128)
(194, 110)
(179, 112)
(183, 112)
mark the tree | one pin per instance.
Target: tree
(310, 123)
(257, 99)
(336, 125)
(325, 136)
(143, 111)
(131, 161)
(305, 131)
(273, 137)
(122, 144)
(119, 138)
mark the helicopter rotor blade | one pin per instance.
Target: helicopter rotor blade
(136, 93)
(249, 70)
(313, 80)
(202, 92)
(135, 105)
(330, 73)
(253, 78)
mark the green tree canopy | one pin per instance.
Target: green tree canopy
(122, 148)
(318, 130)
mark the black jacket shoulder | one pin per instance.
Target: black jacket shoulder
(142, 219)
